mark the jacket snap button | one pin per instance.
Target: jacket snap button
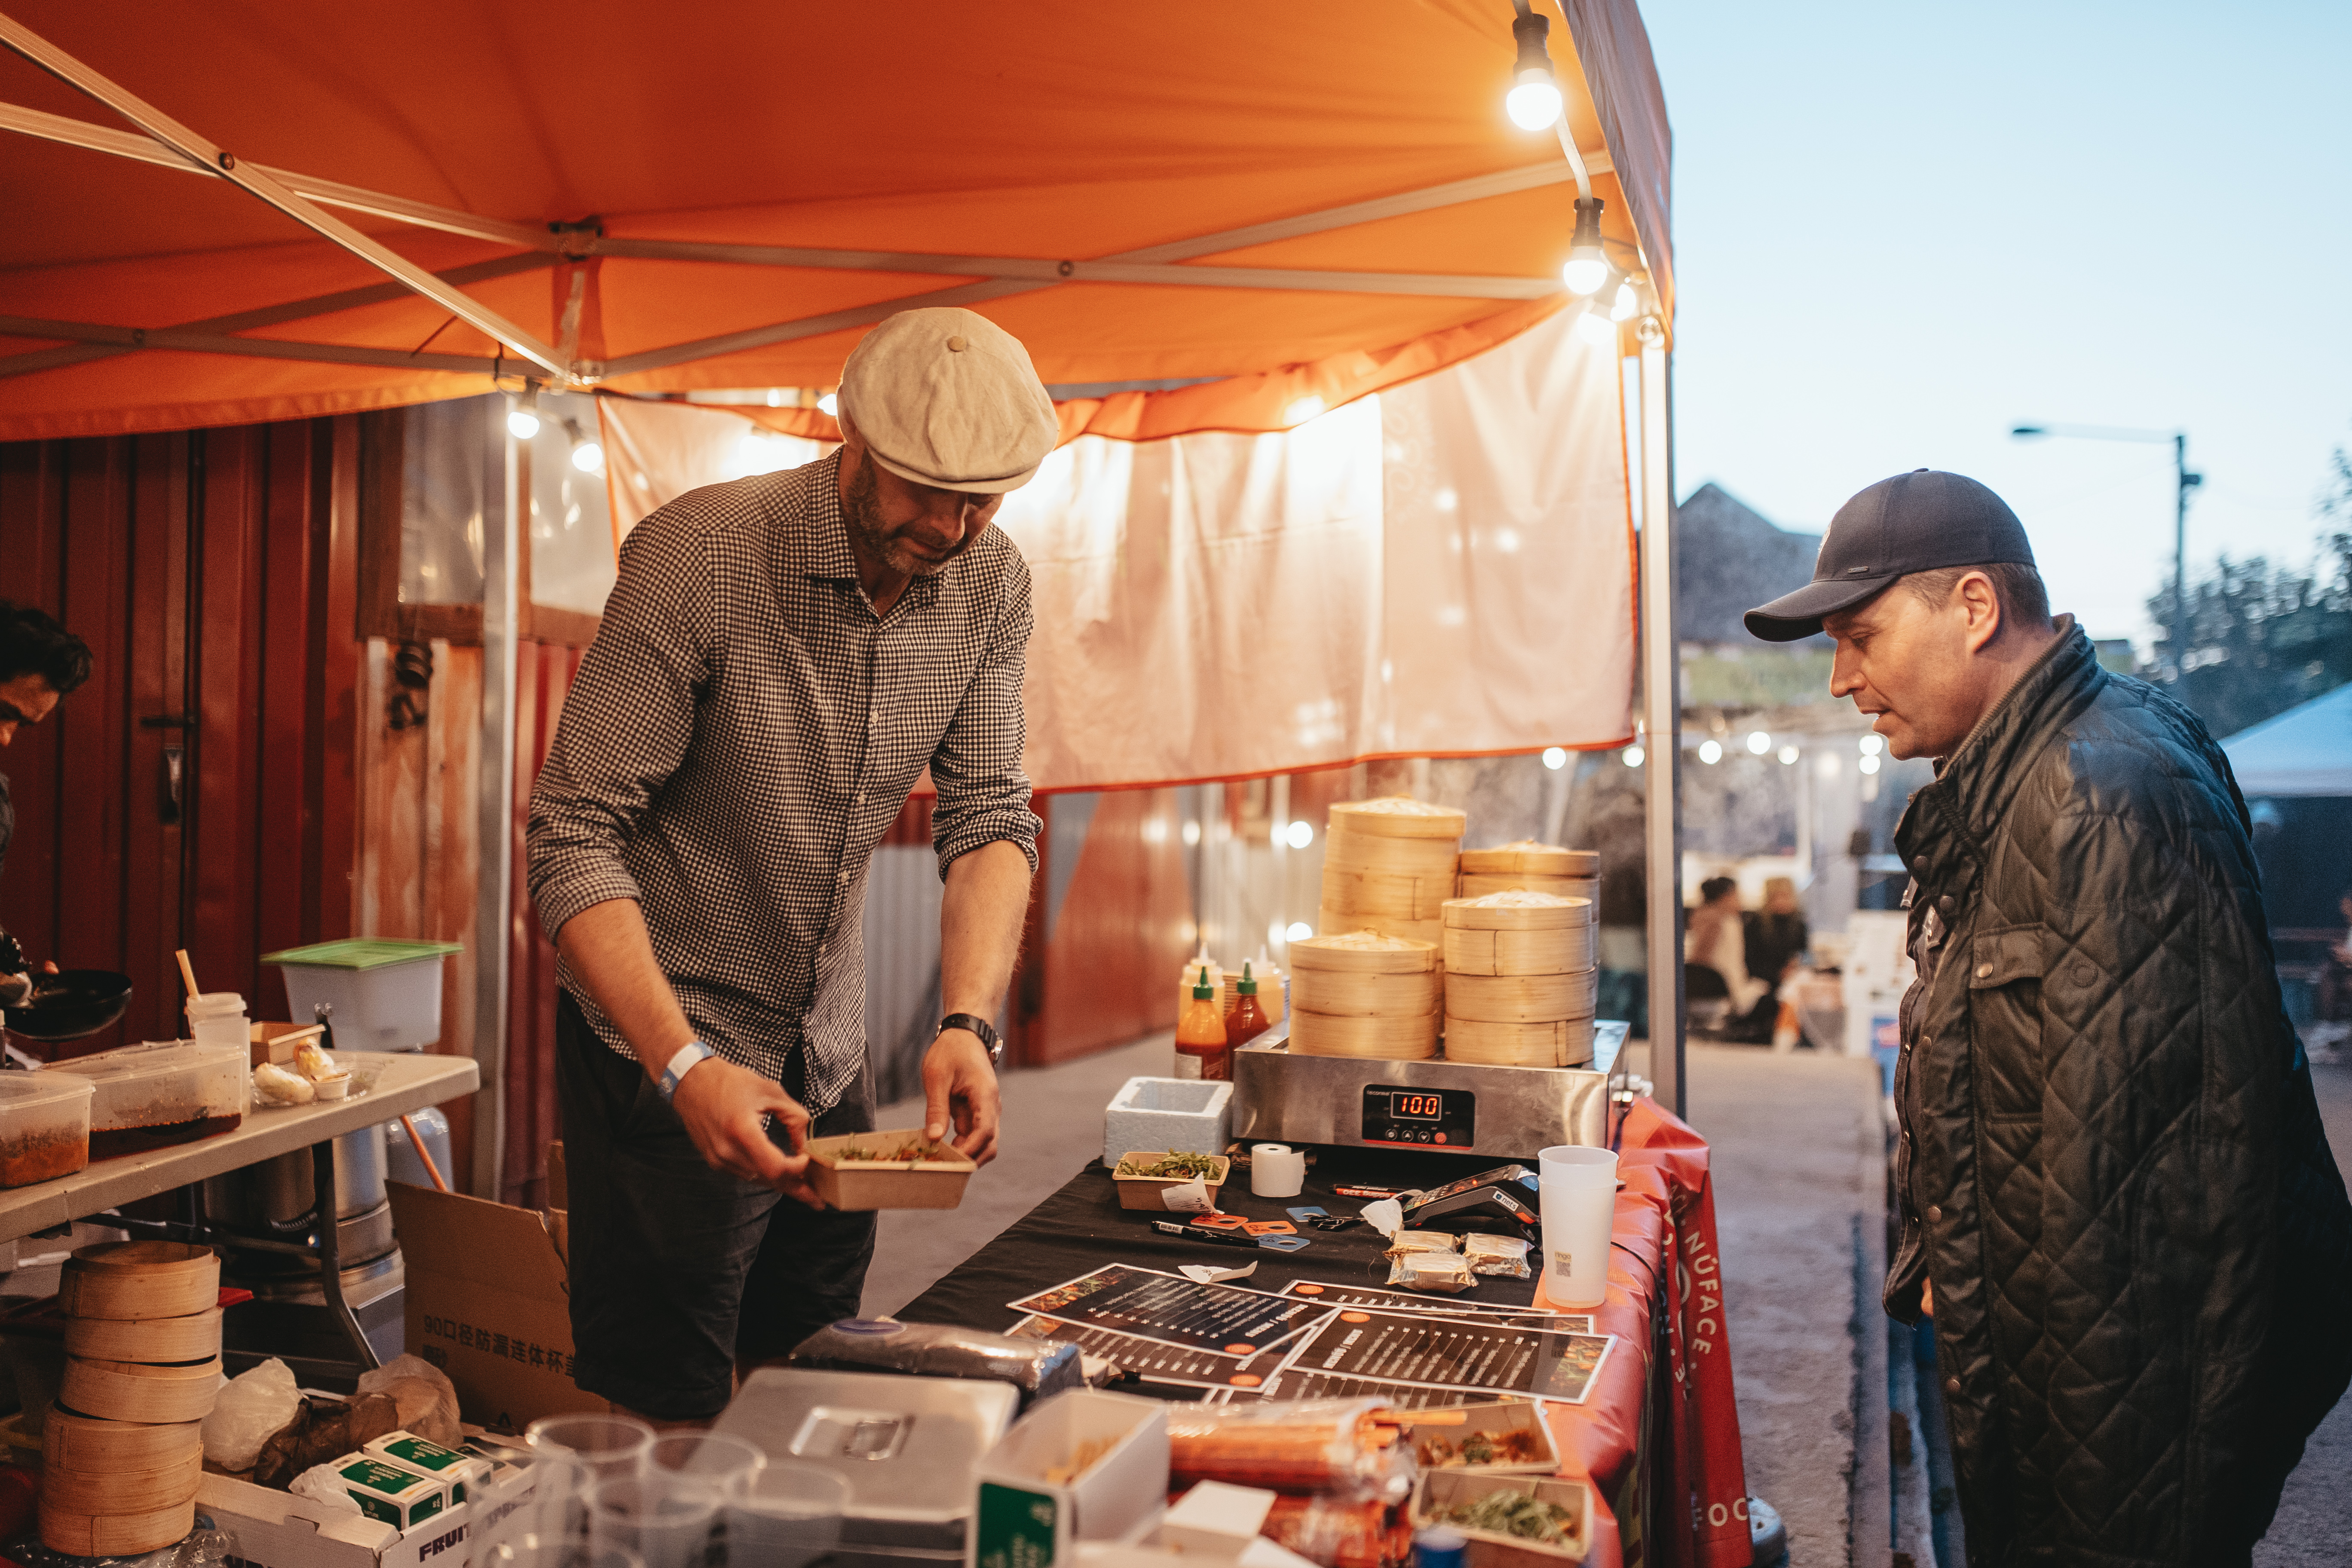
(1945, 903)
(1919, 864)
(2084, 974)
(1983, 970)
(1952, 1385)
(1935, 1214)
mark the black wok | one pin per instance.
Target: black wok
(68, 1006)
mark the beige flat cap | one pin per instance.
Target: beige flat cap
(947, 398)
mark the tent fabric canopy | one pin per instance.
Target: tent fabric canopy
(2306, 751)
(1313, 200)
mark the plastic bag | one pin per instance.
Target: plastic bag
(1448, 1272)
(253, 1408)
(1339, 1445)
(323, 1484)
(427, 1401)
(1503, 1255)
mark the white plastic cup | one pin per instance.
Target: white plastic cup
(1578, 1191)
(612, 1446)
(217, 1018)
(785, 1516)
(1277, 1170)
(662, 1516)
(711, 1459)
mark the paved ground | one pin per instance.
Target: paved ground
(2313, 1527)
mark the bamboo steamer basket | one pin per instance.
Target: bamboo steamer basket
(1397, 817)
(1519, 998)
(140, 1280)
(133, 1391)
(1562, 1043)
(79, 1443)
(1470, 885)
(96, 1492)
(151, 1340)
(1397, 1037)
(1331, 922)
(1562, 951)
(1517, 908)
(1346, 992)
(116, 1534)
(1346, 851)
(1358, 953)
(1529, 859)
(1399, 895)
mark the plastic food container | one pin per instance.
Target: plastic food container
(154, 1096)
(386, 994)
(217, 1018)
(43, 1126)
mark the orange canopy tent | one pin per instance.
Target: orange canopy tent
(1309, 200)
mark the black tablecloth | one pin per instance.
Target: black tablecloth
(1081, 1229)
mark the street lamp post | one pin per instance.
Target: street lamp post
(2183, 481)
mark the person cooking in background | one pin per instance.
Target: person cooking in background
(40, 664)
(781, 658)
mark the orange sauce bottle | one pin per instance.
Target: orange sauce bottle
(1201, 1049)
(1247, 1021)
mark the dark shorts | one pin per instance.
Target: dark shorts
(678, 1270)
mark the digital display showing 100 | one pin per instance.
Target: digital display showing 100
(1419, 1107)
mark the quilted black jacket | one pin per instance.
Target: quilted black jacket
(2111, 1161)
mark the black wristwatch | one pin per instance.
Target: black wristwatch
(978, 1026)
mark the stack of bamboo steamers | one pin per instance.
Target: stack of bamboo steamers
(123, 1447)
(1499, 946)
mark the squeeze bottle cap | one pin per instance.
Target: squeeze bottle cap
(1202, 991)
(1246, 986)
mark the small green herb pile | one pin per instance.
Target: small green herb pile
(907, 1154)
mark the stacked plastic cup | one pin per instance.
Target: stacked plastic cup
(785, 1515)
(1577, 1192)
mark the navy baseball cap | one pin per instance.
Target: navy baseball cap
(1912, 523)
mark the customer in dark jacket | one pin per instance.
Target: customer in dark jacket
(2117, 1200)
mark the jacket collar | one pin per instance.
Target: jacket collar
(1949, 821)
(816, 535)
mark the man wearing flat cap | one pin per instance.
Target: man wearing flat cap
(780, 660)
(2115, 1196)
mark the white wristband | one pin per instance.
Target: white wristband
(689, 1055)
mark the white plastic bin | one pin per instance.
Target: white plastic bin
(386, 992)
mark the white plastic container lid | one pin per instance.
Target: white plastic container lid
(216, 1005)
(24, 1091)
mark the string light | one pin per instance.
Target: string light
(1595, 328)
(1759, 741)
(1788, 756)
(1588, 263)
(522, 420)
(1534, 101)
(1555, 758)
(1626, 305)
(1633, 756)
(587, 452)
(1301, 834)
(1710, 753)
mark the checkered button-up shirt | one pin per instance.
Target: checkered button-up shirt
(742, 732)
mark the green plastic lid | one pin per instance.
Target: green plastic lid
(1246, 986)
(364, 952)
(1203, 991)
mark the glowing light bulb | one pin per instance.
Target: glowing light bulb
(829, 404)
(1596, 329)
(1534, 103)
(1191, 834)
(1759, 741)
(1301, 834)
(1631, 757)
(1710, 753)
(1624, 307)
(588, 457)
(1302, 409)
(1873, 744)
(1788, 755)
(1870, 765)
(1585, 274)
(522, 424)
(1555, 758)
(1300, 931)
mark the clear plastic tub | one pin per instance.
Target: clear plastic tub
(217, 1018)
(154, 1096)
(43, 1126)
(385, 993)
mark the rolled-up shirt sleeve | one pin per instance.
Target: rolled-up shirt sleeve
(984, 793)
(627, 722)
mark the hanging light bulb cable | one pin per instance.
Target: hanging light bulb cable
(1535, 99)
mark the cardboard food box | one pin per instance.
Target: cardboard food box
(1506, 1437)
(1439, 1490)
(463, 1473)
(1082, 1465)
(278, 1529)
(488, 1304)
(394, 1493)
(854, 1184)
(274, 1043)
(1150, 1192)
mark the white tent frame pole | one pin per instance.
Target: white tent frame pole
(1662, 721)
(204, 154)
(504, 516)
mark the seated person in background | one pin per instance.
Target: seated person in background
(2333, 1007)
(1717, 941)
(1774, 939)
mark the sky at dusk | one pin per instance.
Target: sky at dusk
(1901, 229)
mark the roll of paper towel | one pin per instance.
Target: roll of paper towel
(1277, 1170)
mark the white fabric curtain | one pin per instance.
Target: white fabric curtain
(1445, 569)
